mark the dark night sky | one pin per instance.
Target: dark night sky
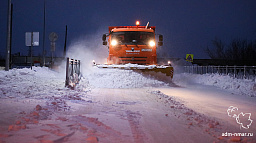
(188, 26)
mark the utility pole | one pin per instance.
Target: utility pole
(65, 44)
(8, 44)
(10, 60)
(31, 47)
(43, 62)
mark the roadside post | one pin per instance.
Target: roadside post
(31, 39)
(53, 37)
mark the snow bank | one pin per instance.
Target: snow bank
(25, 82)
(236, 86)
(118, 78)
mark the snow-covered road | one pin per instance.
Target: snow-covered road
(117, 106)
(212, 101)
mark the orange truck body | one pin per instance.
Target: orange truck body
(132, 45)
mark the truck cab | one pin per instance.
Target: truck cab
(132, 44)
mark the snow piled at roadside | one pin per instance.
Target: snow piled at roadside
(30, 83)
(42, 80)
(118, 78)
(236, 86)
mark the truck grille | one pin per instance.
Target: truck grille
(133, 59)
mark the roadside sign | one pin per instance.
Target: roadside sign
(189, 57)
(53, 37)
(35, 38)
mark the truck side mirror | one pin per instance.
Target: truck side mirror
(160, 43)
(104, 39)
(160, 38)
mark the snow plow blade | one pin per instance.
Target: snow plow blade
(167, 70)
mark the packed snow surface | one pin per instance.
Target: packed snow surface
(115, 105)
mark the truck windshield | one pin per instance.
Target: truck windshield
(132, 37)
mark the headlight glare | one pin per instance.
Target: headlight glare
(114, 42)
(152, 43)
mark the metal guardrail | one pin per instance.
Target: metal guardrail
(73, 73)
(241, 72)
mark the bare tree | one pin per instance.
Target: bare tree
(217, 52)
(238, 50)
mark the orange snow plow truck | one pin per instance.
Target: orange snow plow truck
(134, 47)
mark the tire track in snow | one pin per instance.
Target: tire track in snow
(191, 118)
(133, 119)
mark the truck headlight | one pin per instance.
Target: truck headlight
(93, 62)
(113, 42)
(152, 43)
